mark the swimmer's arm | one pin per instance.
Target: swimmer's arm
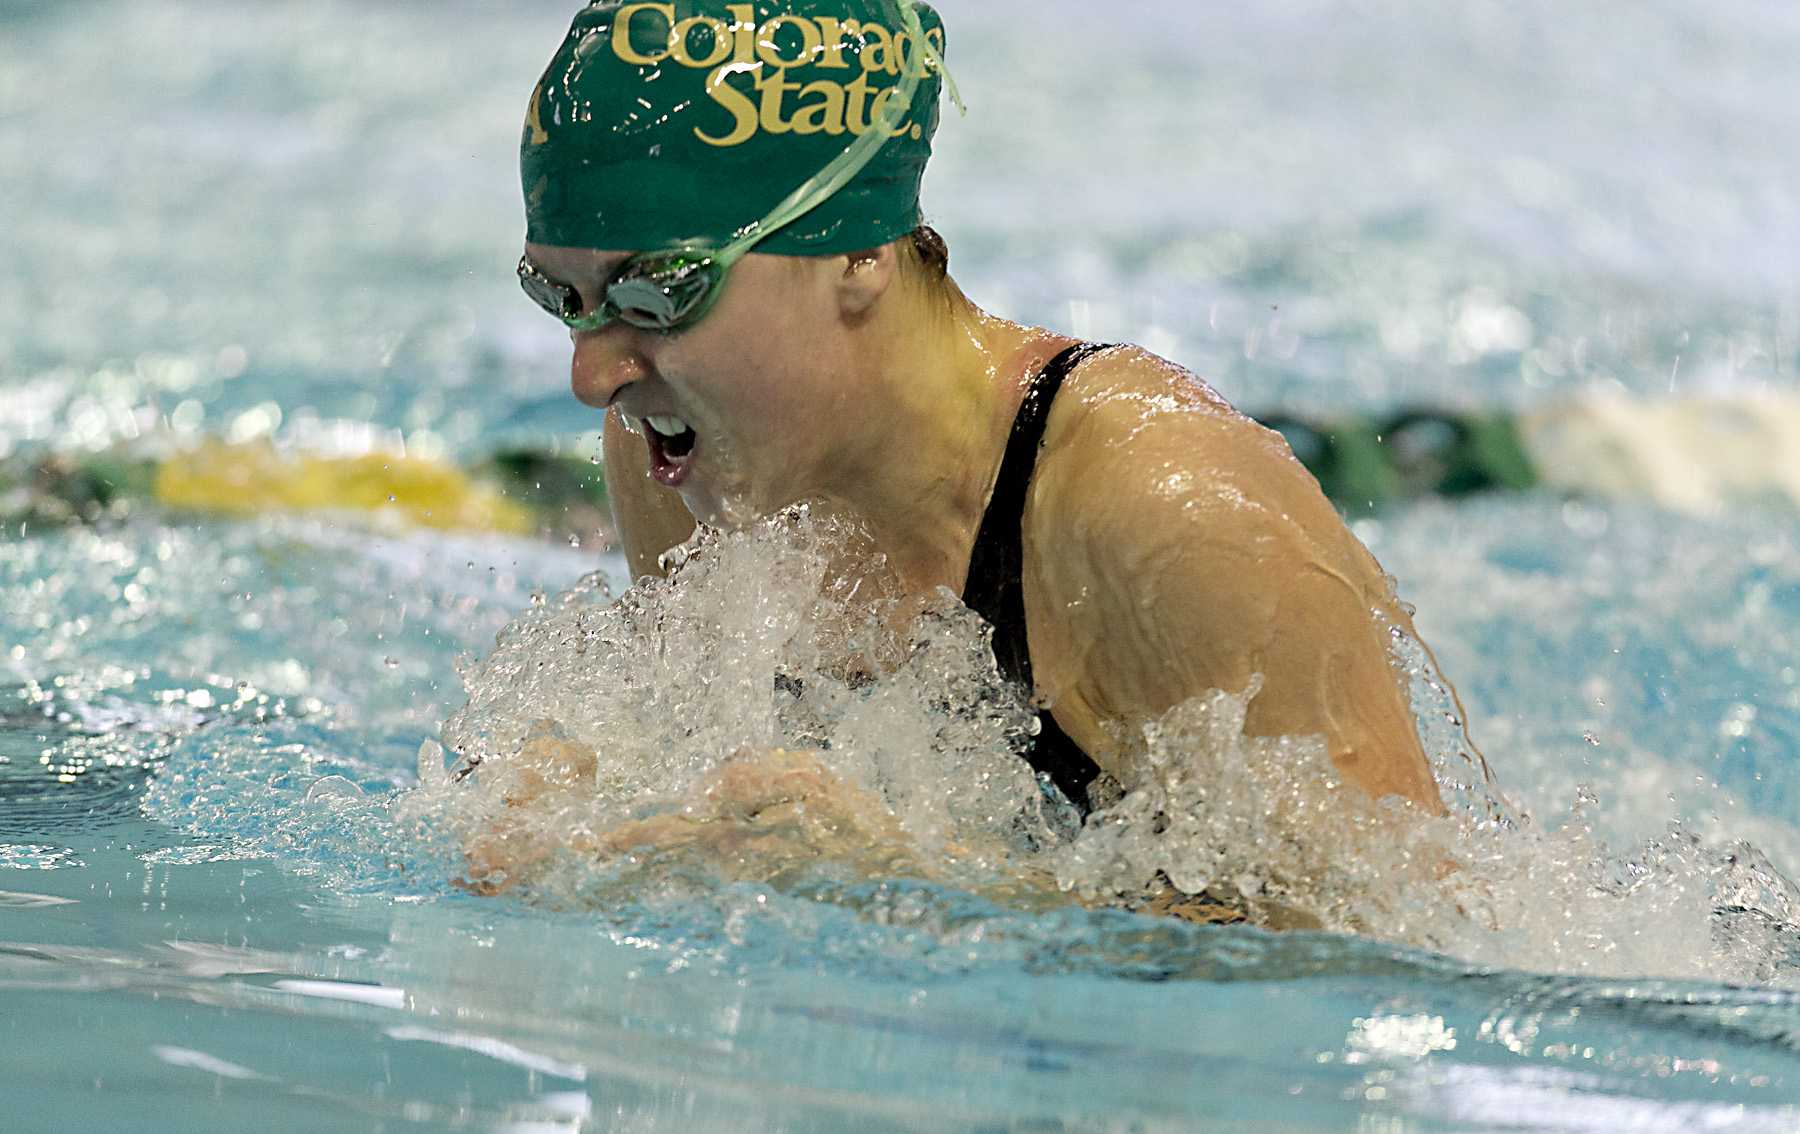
(1179, 550)
(767, 815)
(650, 518)
(771, 816)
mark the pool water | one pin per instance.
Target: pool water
(297, 218)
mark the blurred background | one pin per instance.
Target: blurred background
(228, 219)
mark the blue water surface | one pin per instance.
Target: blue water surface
(302, 216)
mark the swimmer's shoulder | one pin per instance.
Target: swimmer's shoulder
(1171, 546)
(1148, 475)
(1127, 421)
(1139, 513)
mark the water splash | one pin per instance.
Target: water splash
(1269, 822)
(654, 706)
(886, 727)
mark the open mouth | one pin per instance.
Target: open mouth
(672, 444)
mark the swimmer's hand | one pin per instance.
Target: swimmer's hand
(770, 816)
(548, 775)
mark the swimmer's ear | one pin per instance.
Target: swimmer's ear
(866, 277)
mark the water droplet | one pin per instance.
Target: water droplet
(335, 789)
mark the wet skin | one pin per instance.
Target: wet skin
(1172, 545)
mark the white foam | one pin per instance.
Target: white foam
(629, 710)
(755, 645)
(200, 1061)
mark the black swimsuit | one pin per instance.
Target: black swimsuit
(995, 590)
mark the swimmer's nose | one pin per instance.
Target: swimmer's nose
(605, 362)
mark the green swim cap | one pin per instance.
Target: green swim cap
(681, 123)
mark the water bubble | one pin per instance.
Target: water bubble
(432, 772)
(333, 789)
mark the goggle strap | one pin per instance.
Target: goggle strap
(818, 188)
(935, 58)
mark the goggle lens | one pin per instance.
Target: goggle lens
(560, 300)
(658, 291)
(663, 291)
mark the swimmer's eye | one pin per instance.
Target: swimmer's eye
(657, 291)
(559, 299)
(664, 291)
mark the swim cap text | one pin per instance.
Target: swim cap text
(765, 99)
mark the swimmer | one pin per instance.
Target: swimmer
(723, 207)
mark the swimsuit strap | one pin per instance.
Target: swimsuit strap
(995, 589)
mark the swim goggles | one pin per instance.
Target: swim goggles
(668, 290)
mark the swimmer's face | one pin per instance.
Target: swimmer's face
(761, 381)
